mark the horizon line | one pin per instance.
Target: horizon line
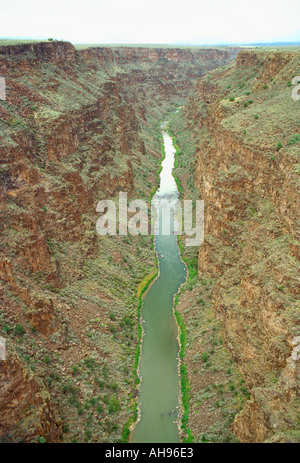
(283, 42)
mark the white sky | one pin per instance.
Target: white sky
(152, 21)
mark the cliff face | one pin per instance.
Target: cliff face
(245, 126)
(76, 127)
(26, 403)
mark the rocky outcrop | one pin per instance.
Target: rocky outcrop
(272, 411)
(125, 55)
(27, 413)
(34, 54)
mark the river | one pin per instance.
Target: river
(158, 368)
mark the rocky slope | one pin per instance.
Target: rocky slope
(77, 127)
(239, 140)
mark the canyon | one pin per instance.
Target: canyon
(79, 126)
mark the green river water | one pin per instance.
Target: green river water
(160, 390)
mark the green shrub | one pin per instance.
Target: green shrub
(19, 330)
(93, 401)
(204, 356)
(125, 434)
(89, 362)
(294, 139)
(113, 404)
(88, 435)
(100, 409)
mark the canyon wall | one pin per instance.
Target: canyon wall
(244, 127)
(77, 127)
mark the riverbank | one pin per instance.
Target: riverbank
(158, 366)
(141, 291)
(144, 285)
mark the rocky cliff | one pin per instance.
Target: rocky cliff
(243, 126)
(77, 127)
